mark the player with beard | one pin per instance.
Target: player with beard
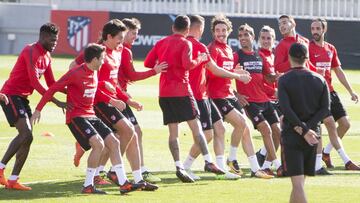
(220, 91)
(33, 62)
(324, 56)
(258, 107)
(210, 118)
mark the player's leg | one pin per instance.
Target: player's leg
(298, 192)
(18, 113)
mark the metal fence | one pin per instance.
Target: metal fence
(330, 9)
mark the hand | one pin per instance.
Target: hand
(298, 129)
(354, 97)
(35, 118)
(109, 87)
(60, 104)
(277, 75)
(118, 104)
(4, 98)
(161, 67)
(245, 78)
(311, 138)
(242, 99)
(134, 104)
(321, 71)
(202, 57)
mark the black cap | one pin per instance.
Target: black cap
(298, 51)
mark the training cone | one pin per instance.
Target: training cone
(47, 134)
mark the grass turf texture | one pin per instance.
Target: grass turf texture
(51, 174)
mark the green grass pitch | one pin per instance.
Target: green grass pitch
(51, 174)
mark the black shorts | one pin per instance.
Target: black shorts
(209, 114)
(178, 109)
(109, 114)
(228, 104)
(129, 114)
(259, 112)
(84, 128)
(297, 156)
(276, 106)
(337, 109)
(18, 107)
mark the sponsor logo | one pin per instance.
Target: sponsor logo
(22, 111)
(78, 32)
(89, 92)
(329, 54)
(114, 74)
(147, 40)
(228, 65)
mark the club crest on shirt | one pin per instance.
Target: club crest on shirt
(78, 31)
(329, 53)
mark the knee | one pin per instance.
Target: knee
(28, 139)
(97, 144)
(345, 125)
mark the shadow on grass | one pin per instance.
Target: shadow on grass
(45, 190)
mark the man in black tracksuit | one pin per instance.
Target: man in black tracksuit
(304, 101)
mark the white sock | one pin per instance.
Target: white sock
(90, 173)
(143, 169)
(98, 169)
(328, 148)
(343, 155)
(263, 151)
(137, 176)
(179, 164)
(207, 157)
(13, 177)
(120, 173)
(318, 162)
(277, 164)
(188, 162)
(254, 165)
(267, 164)
(2, 166)
(232, 153)
(112, 169)
(220, 161)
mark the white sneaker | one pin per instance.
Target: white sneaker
(228, 176)
(192, 174)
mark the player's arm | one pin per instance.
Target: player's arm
(187, 58)
(151, 58)
(340, 74)
(281, 62)
(324, 109)
(220, 72)
(4, 98)
(287, 110)
(48, 95)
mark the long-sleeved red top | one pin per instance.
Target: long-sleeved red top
(81, 83)
(253, 63)
(127, 72)
(197, 76)
(324, 57)
(220, 88)
(177, 52)
(33, 62)
(268, 62)
(281, 62)
(108, 72)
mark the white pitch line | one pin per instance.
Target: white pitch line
(43, 181)
(5, 138)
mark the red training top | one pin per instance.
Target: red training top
(81, 83)
(324, 57)
(268, 61)
(177, 52)
(220, 88)
(26, 74)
